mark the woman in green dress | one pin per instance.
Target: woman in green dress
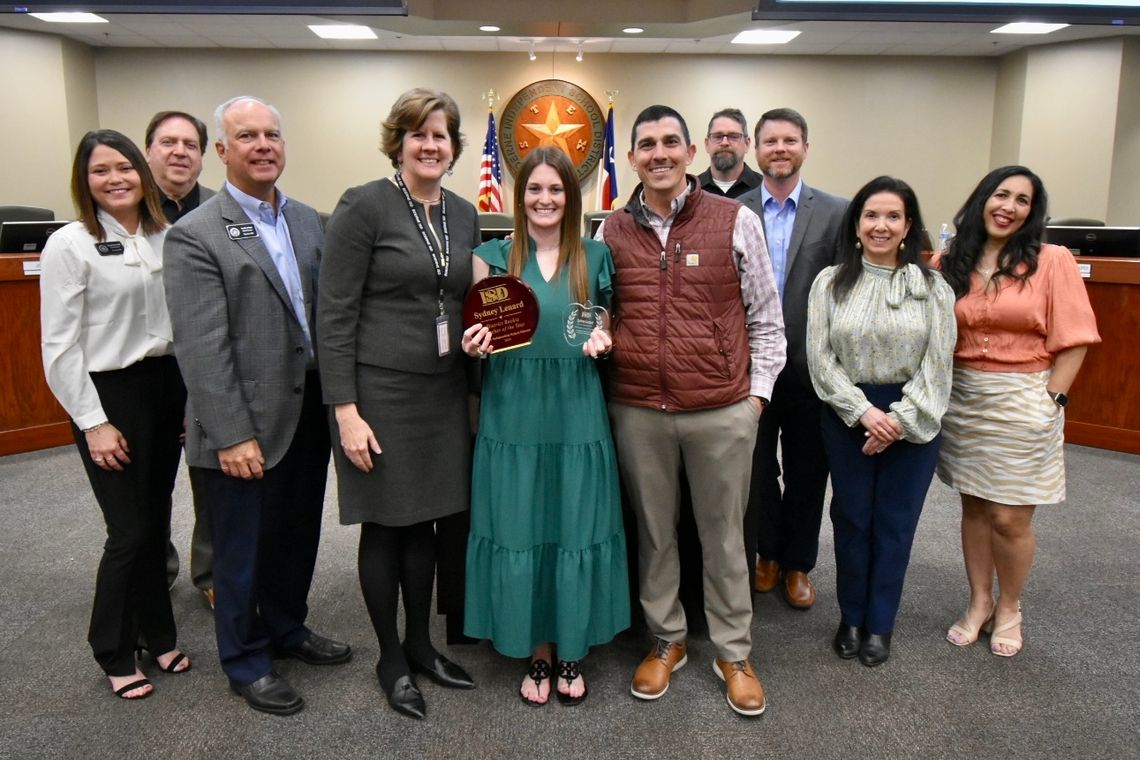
(546, 560)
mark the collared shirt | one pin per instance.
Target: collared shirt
(99, 311)
(175, 210)
(274, 233)
(763, 316)
(748, 180)
(779, 220)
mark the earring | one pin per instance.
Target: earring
(858, 245)
(451, 170)
(902, 245)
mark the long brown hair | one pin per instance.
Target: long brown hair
(571, 251)
(151, 218)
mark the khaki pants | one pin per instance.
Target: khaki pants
(715, 448)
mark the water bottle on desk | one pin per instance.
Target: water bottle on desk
(944, 238)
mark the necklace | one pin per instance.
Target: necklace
(425, 201)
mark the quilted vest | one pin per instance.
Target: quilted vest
(680, 342)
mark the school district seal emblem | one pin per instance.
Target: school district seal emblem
(557, 113)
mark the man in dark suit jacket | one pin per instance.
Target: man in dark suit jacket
(241, 279)
(174, 143)
(800, 224)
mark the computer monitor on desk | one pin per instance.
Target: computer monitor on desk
(1122, 242)
(491, 233)
(26, 237)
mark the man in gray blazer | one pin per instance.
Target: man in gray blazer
(174, 143)
(800, 224)
(241, 279)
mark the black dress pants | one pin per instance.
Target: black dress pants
(782, 524)
(145, 401)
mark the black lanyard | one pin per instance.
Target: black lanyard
(440, 260)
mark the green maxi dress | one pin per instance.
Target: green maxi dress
(546, 557)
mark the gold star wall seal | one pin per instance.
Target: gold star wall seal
(557, 113)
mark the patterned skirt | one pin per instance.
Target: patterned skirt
(1002, 438)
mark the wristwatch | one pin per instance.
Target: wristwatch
(1060, 399)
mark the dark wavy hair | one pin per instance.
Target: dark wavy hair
(970, 237)
(151, 218)
(851, 256)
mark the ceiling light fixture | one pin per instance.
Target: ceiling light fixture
(633, 30)
(488, 28)
(342, 31)
(530, 53)
(1027, 27)
(578, 57)
(69, 17)
(764, 37)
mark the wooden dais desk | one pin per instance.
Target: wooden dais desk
(1105, 407)
(30, 417)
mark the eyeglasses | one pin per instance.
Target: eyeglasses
(732, 137)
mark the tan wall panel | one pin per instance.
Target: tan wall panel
(1124, 188)
(867, 115)
(37, 148)
(1069, 123)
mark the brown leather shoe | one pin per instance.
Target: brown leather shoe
(798, 590)
(767, 575)
(651, 679)
(743, 690)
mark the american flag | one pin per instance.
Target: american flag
(490, 176)
(607, 170)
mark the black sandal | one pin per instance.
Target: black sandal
(539, 672)
(570, 670)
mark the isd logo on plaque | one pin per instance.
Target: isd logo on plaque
(557, 113)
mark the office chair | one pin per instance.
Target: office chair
(26, 214)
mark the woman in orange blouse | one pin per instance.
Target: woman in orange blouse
(1024, 324)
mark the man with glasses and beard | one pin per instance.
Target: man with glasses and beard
(727, 144)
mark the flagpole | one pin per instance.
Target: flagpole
(607, 148)
(490, 195)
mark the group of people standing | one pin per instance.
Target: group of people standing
(266, 341)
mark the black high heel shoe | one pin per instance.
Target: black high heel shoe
(403, 696)
(172, 666)
(846, 642)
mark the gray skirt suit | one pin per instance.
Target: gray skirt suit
(376, 336)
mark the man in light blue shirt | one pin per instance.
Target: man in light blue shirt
(241, 284)
(801, 225)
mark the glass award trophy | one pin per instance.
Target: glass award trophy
(579, 320)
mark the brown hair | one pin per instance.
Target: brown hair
(162, 116)
(151, 218)
(409, 112)
(571, 250)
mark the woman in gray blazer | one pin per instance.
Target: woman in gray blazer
(396, 267)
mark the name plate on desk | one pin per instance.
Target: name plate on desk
(31, 268)
(1084, 269)
(507, 307)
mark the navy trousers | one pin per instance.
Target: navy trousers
(265, 535)
(875, 506)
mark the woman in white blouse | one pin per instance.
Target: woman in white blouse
(108, 359)
(880, 339)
